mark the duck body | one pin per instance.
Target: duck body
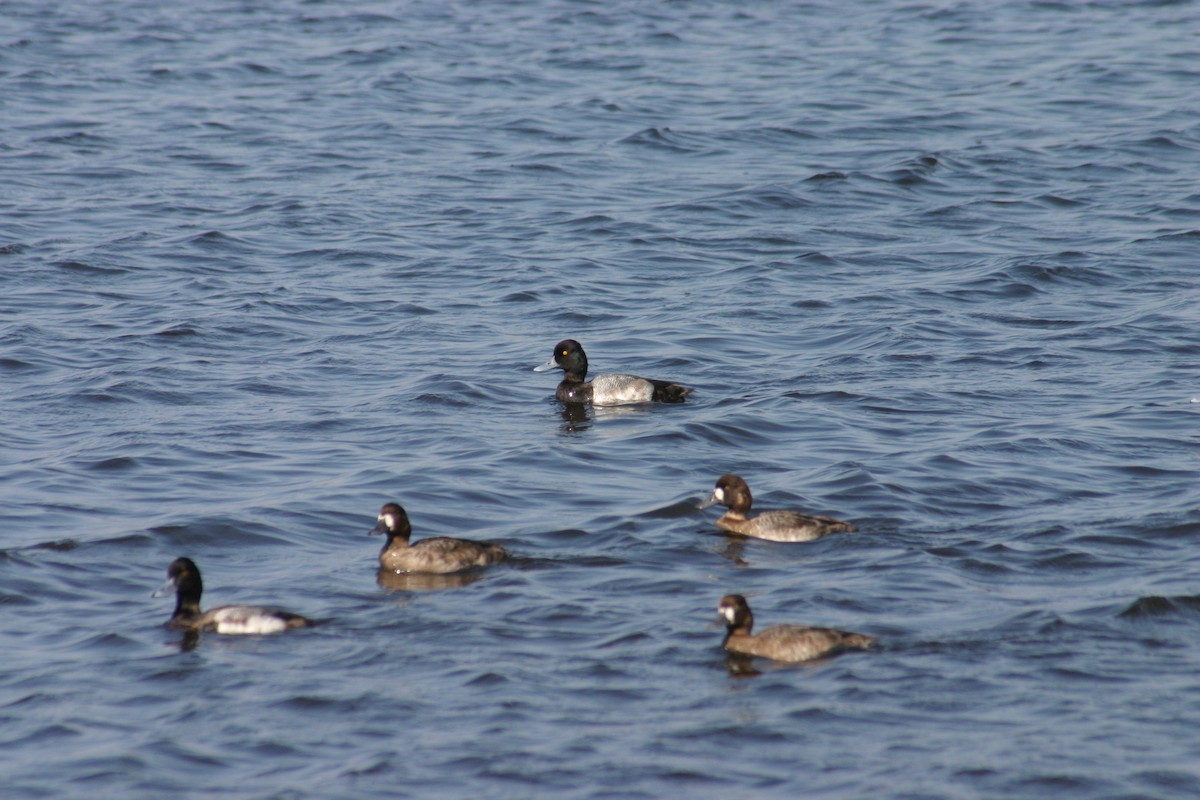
(438, 554)
(782, 642)
(183, 577)
(239, 620)
(775, 526)
(605, 390)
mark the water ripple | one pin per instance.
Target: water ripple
(929, 268)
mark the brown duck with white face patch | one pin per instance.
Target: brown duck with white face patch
(782, 642)
(438, 554)
(777, 526)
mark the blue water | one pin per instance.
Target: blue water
(930, 267)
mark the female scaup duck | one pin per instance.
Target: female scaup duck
(605, 390)
(777, 526)
(438, 554)
(782, 642)
(183, 576)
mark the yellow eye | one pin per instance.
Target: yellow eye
(564, 352)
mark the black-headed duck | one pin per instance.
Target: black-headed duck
(605, 390)
(183, 577)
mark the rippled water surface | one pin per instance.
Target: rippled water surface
(930, 267)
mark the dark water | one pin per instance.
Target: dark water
(932, 267)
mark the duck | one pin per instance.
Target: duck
(438, 554)
(605, 390)
(183, 577)
(775, 526)
(782, 642)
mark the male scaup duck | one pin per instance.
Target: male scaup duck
(782, 642)
(605, 390)
(183, 576)
(438, 554)
(777, 526)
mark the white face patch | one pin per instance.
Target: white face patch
(719, 494)
(388, 519)
(727, 612)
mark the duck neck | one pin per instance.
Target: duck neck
(734, 633)
(186, 607)
(575, 370)
(741, 627)
(397, 539)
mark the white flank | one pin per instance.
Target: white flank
(615, 390)
(247, 621)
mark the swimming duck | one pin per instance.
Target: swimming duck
(777, 526)
(183, 577)
(782, 642)
(605, 390)
(439, 554)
